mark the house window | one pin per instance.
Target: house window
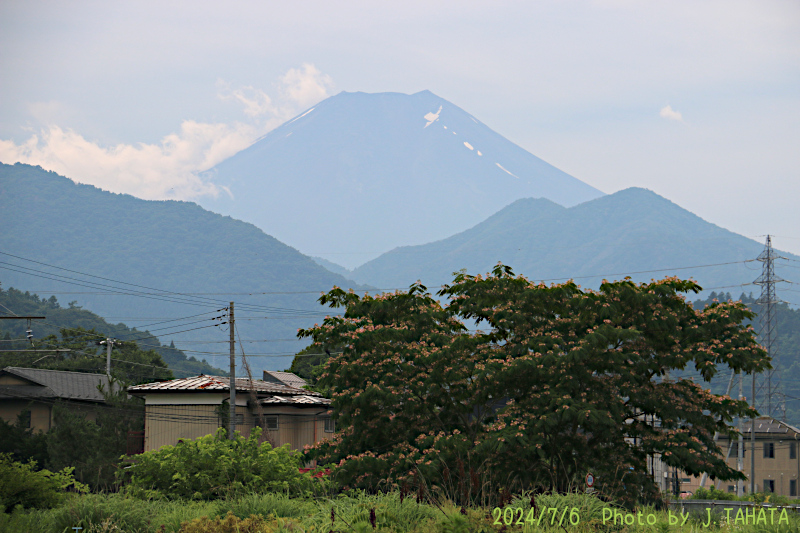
(792, 487)
(330, 425)
(731, 488)
(735, 449)
(271, 423)
(792, 450)
(769, 450)
(25, 419)
(769, 485)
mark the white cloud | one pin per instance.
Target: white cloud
(670, 114)
(171, 167)
(152, 171)
(255, 101)
(306, 86)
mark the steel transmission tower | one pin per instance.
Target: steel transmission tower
(771, 402)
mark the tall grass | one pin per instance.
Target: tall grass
(106, 513)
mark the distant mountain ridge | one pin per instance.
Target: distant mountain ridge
(206, 258)
(630, 231)
(359, 174)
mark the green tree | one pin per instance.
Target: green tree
(22, 443)
(562, 382)
(94, 448)
(22, 484)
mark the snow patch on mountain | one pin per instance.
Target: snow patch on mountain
(301, 116)
(506, 170)
(432, 117)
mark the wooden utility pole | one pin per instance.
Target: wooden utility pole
(753, 441)
(231, 325)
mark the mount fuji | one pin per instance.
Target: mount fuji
(360, 174)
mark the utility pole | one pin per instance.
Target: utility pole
(740, 448)
(231, 325)
(753, 441)
(109, 343)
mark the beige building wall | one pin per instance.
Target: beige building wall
(13, 380)
(782, 469)
(41, 419)
(297, 427)
(166, 424)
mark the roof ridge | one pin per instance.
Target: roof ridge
(52, 370)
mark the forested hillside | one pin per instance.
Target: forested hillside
(162, 259)
(140, 357)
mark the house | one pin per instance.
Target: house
(284, 378)
(777, 463)
(188, 408)
(32, 393)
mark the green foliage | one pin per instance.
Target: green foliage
(22, 485)
(232, 524)
(213, 466)
(22, 443)
(265, 503)
(94, 448)
(118, 513)
(309, 367)
(712, 493)
(19, 519)
(551, 391)
(100, 513)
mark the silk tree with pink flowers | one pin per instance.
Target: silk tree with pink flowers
(555, 382)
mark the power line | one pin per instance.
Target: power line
(174, 297)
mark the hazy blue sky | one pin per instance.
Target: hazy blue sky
(698, 101)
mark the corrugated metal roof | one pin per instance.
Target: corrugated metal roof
(216, 383)
(294, 400)
(286, 378)
(61, 383)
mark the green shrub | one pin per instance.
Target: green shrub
(232, 524)
(100, 512)
(213, 467)
(22, 520)
(712, 493)
(265, 504)
(22, 485)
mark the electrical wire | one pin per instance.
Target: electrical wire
(178, 297)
